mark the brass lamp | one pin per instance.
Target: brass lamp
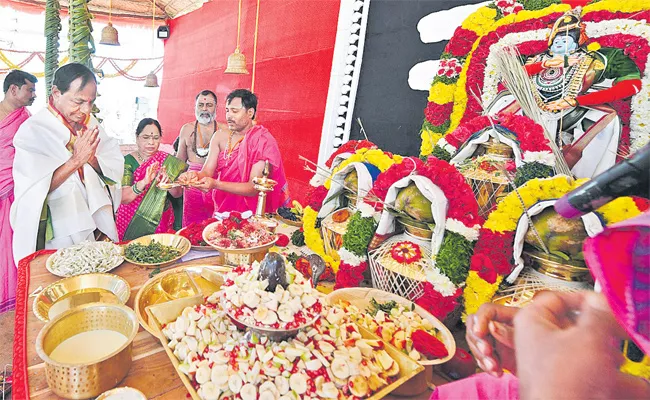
(237, 60)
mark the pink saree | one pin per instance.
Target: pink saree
(197, 206)
(126, 212)
(258, 145)
(8, 128)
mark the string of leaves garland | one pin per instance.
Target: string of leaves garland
(452, 99)
(52, 29)
(82, 44)
(493, 255)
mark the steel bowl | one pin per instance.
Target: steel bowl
(68, 293)
(179, 242)
(82, 381)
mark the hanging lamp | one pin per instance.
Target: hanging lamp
(237, 60)
(151, 79)
(109, 33)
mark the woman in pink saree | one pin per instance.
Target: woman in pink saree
(145, 207)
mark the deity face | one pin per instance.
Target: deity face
(563, 44)
(206, 109)
(77, 103)
(238, 117)
(148, 141)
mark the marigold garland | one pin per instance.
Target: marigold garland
(376, 157)
(441, 93)
(493, 258)
(486, 21)
(313, 239)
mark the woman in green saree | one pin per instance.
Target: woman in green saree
(146, 208)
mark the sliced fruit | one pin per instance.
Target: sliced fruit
(248, 392)
(298, 383)
(393, 370)
(384, 359)
(359, 386)
(340, 368)
(202, 375)
(282, 384)
(235, 383)
(375, 382)
(329, 391)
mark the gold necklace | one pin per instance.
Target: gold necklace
(140, 157)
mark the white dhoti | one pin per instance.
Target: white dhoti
(77, 208)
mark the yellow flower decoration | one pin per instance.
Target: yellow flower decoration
(627, 6)
(595, 46)
(429, 139)
(478, 292)
(442, 93)
(480, 20)
(619, 210)
(313, 239)
(375, 157)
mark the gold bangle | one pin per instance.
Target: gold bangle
(572, 102)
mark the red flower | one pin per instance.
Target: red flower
(430, 346)
(349, 276)
(461, 43)
(350, 147)
(435, 303)
(437, 114)
(303, 266)
(406, 252)
(316, 196)
(283, 240)
(487, 166)
(510, 166)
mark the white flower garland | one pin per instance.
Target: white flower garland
(640, 130)
(350, 258)
(468, 232)
(440, 282)
(542, 157)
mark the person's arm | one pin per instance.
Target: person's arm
(83, 151)
(129, 193)
(182, 145)
(243, 188)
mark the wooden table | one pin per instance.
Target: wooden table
(151, 372)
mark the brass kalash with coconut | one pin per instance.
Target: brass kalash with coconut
(553, 259)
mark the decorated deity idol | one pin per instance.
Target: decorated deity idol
(573, 84)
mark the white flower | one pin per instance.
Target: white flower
(440, 282)
(366, 210)
(469, 233)
(349, 258)
(317, 180)
(542, 157)
(443, 143)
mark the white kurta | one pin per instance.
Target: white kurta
(77, 208)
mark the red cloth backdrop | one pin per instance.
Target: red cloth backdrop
(294, 60)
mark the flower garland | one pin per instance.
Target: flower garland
(451, 264)
(493, 254)
(536, 155)
(313, 239)
(378, 158)
(533, 20)
(350, 147)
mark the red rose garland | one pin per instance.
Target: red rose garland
(435, 303)
(490, 256)
(386, 179)
(428, 345)
(349, 275)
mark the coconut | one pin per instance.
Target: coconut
(413, 203)
(563, 237)
(351, 181)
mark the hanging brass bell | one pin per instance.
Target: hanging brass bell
(236, 63)
(151, 81)
(109, 36)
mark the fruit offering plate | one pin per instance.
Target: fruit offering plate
(215, 360)
(207, 247)
(177, 283)
(362, 299)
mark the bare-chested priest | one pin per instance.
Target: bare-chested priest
(193, 148)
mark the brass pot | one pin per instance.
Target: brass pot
(570, 271)
(83, 381)
(418, 230)
(494, 148)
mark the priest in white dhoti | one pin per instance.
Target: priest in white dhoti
(66, 170)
